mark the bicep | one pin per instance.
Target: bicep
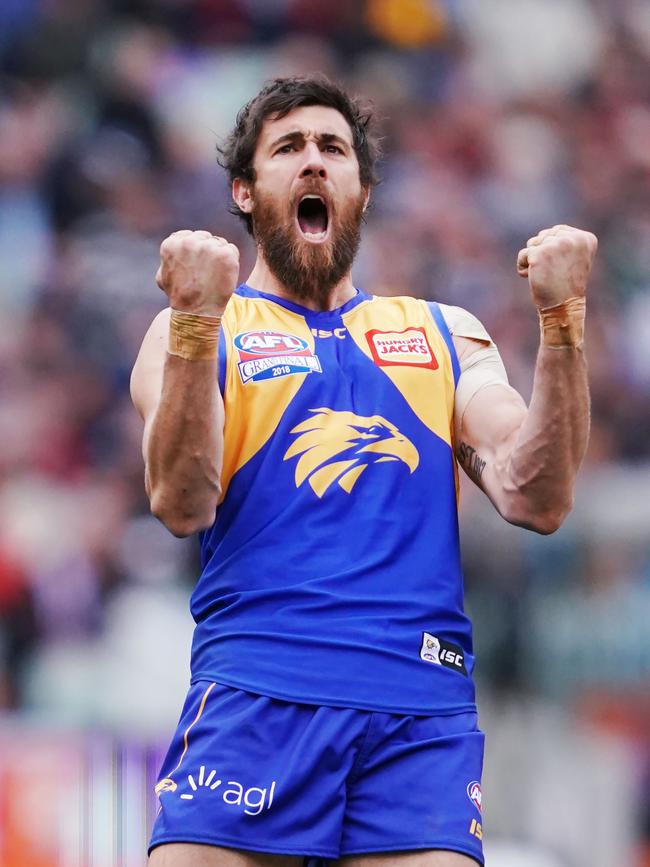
(488, 411)
(487, 433)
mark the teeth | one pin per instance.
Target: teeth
(312, 196)
(315, 236)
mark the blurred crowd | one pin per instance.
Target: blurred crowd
(499, 119)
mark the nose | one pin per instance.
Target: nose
(314, 165)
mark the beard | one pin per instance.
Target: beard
(309, 271)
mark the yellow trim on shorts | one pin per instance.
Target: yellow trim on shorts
(162, 785)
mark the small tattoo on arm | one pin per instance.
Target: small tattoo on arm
(473, 464)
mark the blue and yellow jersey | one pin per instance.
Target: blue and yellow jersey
(331, 574)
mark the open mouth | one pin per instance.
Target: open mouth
(313, 217)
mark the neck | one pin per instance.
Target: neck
(263, 279)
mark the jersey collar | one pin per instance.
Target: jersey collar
(247, 291)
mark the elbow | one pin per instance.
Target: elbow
(544, 519)
(546, 524)
(183, 527)
(181, 523)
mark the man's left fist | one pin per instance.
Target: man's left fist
(557, 263)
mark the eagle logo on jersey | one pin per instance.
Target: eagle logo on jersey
(339, 446)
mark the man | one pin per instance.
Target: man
(307, 431)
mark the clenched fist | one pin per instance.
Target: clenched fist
(557, 263)
(198, 272)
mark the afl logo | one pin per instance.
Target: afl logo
(260, 343)
(271, 355)
(474, 794)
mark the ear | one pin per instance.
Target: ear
(242, 195)
(367, 200)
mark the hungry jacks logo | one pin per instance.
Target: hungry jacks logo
(409, 347)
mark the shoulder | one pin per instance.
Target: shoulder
(462, 323)
(467, 331)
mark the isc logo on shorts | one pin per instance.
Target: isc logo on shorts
(409, 347)
(270, 354)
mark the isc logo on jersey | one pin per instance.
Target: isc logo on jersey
(440, 652)
(409, 347)
(272, 354)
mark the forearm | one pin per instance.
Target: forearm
(174, 383)
(185, 446)
(540, 468)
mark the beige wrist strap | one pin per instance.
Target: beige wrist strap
(563, 325)
(193, 337)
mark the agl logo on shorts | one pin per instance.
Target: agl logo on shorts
(409, 347)
(253, 799)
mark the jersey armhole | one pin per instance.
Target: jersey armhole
(439, 319)
(222, 362)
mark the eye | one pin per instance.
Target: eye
(285, 149)
(333, 149)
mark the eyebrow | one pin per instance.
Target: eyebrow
(322, 138)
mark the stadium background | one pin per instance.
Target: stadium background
(500, 118)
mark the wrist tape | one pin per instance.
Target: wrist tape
(563, 325)
(193, 337)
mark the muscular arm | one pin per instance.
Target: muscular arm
(182, 410)
(526, 459)
(174, 383)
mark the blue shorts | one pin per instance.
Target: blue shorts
(245, 771)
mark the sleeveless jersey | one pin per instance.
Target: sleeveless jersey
(331, 574)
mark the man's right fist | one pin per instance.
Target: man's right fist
(198, 272)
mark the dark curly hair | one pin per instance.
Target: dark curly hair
(277, 99)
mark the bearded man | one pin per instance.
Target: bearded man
(309, 433)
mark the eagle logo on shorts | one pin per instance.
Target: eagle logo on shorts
(166, 785)
(339, 446)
